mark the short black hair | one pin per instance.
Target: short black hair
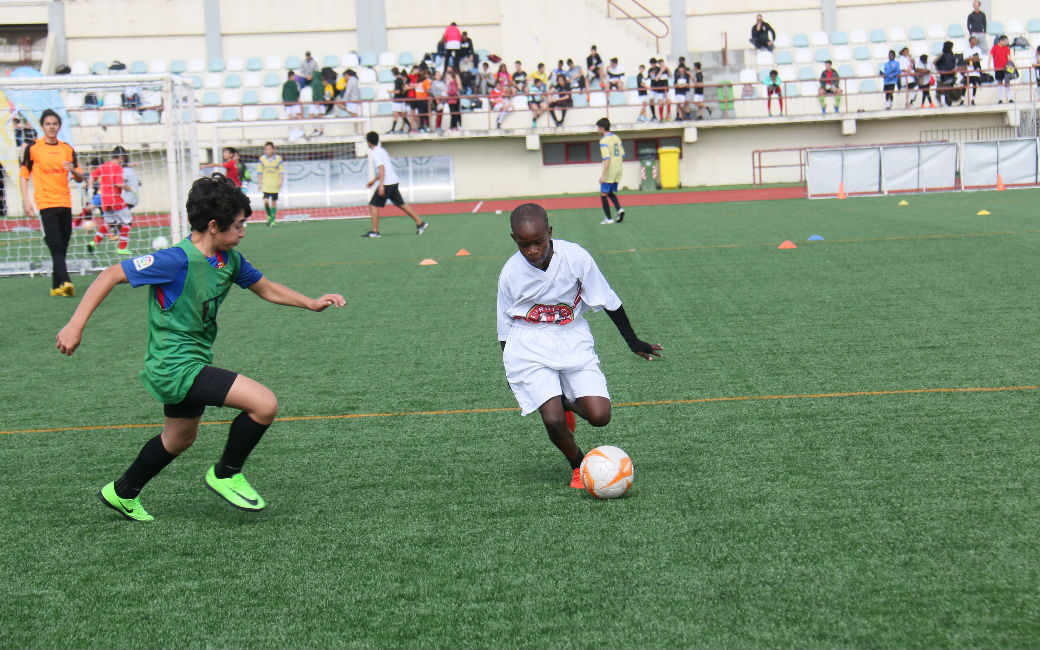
(268, 143)
(119, 151)
(291, 74)
(372, 137)
(47, 113)
(215, 198)
(603, 123)
(528, 213)
(231, 150)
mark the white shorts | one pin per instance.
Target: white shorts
(292, 109)
(354, 107)
(698, 98)
(545, 360)
(400, 107)
(657, 96)
(120, 216)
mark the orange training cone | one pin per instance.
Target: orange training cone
(427, 262)
(787, 244)
(462, 253)
(1000, 184)
(841, 191)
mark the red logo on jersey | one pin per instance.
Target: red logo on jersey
(557, 314)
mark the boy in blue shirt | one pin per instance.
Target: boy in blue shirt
(891, 74)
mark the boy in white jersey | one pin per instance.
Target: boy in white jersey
(547, 347)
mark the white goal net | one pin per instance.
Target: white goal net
(150, 116)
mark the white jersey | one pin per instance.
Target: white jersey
(555, 297)
(377, 156)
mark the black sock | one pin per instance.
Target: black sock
(242, 437)
(613, 198)
(152, 459)
(576, 462)
(606, 206)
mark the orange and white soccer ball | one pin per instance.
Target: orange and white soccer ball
(607, 472)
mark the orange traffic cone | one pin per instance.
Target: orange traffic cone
(1000, 184)
(462, 253)
(788, 244)
(841, 191)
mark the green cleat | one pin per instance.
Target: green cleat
(124, 251)
(129, 508)
(236, 490)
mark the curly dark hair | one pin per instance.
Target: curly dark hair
(215, 198)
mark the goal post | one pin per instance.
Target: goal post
(152, 117)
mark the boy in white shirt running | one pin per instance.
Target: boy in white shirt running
(387, 189)
(547, 347)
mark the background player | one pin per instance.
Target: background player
(271, 169)
(612, 152)
(188, 283)
(387, 189)
(48, 163)
(111, 183)
(547, 347)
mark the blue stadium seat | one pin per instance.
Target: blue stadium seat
(138, 67)
(618, 98)
(868, 86)
(995, 28)
(406, 59)
(839, 38)
(210, 99)
(916, 33)
(229, 114)
(632, 82)
(254, 64)
(384, 109)
(99, 67)
(937, 48)
(268, 113)
(292, 63)
(330, 61)
(822, 55)
(368, 92)
(73, 119)
(845, 71)
(386, 77)
(196, 82)
(580, 100)
(1033, 26)
(806, 74)
(955, 30)
(861, 53)
(271, 80)
(110, 118)
(878, 36)
(233, 81)
(763, 75)
(216, 64)
(800, 40)
(150, 117)
(178, 66)
(369, 60)
(250, 97)
(784, 58)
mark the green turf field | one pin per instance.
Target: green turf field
(869, 505)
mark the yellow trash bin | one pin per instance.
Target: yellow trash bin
(669, 157)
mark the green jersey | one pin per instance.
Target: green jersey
(185, 291)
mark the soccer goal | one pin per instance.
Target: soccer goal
(151, 116)
(325, 167)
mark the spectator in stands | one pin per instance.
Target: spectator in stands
(519, 79)
(924, 80)
(501, 102)
(400, 104)
(422, 99)
(576, 77)
(466, 50)
(561, 99)
(317, 107)
(615, 75)
(329, 92)
(452, 46)
(977, 23)
(642, 84)
(454, 90)
(891, 76)
(308, 68)
(503, 79)
(762, 34)
(659, 76)
(540, 73)
(291, 97)
(973, 59)
(486, 81)
(682, 89)
(438, 98)
(698, 91)
(773, 88)
(536, 100)
(946, 66)
(999, 56)
(352, 95)
(559, 70)
(594, 64)
(1036, 66)
(829, 85)
(906, 71)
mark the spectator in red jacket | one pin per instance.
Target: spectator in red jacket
(452, 45)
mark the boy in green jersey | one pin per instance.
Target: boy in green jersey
(188, 282)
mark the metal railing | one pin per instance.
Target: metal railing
(657, 33)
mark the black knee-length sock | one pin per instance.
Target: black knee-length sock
(152, 459)
(243, 436)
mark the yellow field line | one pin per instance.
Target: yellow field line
(700, 400)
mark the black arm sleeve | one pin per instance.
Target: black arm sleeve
(621, 321)
(503, 345)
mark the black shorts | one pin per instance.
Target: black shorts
(210, 388)
(391, 193)
(999, 75)
(889, 88)
(271, 195)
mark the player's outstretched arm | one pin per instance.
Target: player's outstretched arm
(646, 350)
(280, 294)
(69, 337)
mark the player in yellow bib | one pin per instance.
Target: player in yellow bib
(271, 170)
(612, 152)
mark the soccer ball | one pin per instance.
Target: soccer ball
(160, 242)
(88, 225)
(606, 472)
